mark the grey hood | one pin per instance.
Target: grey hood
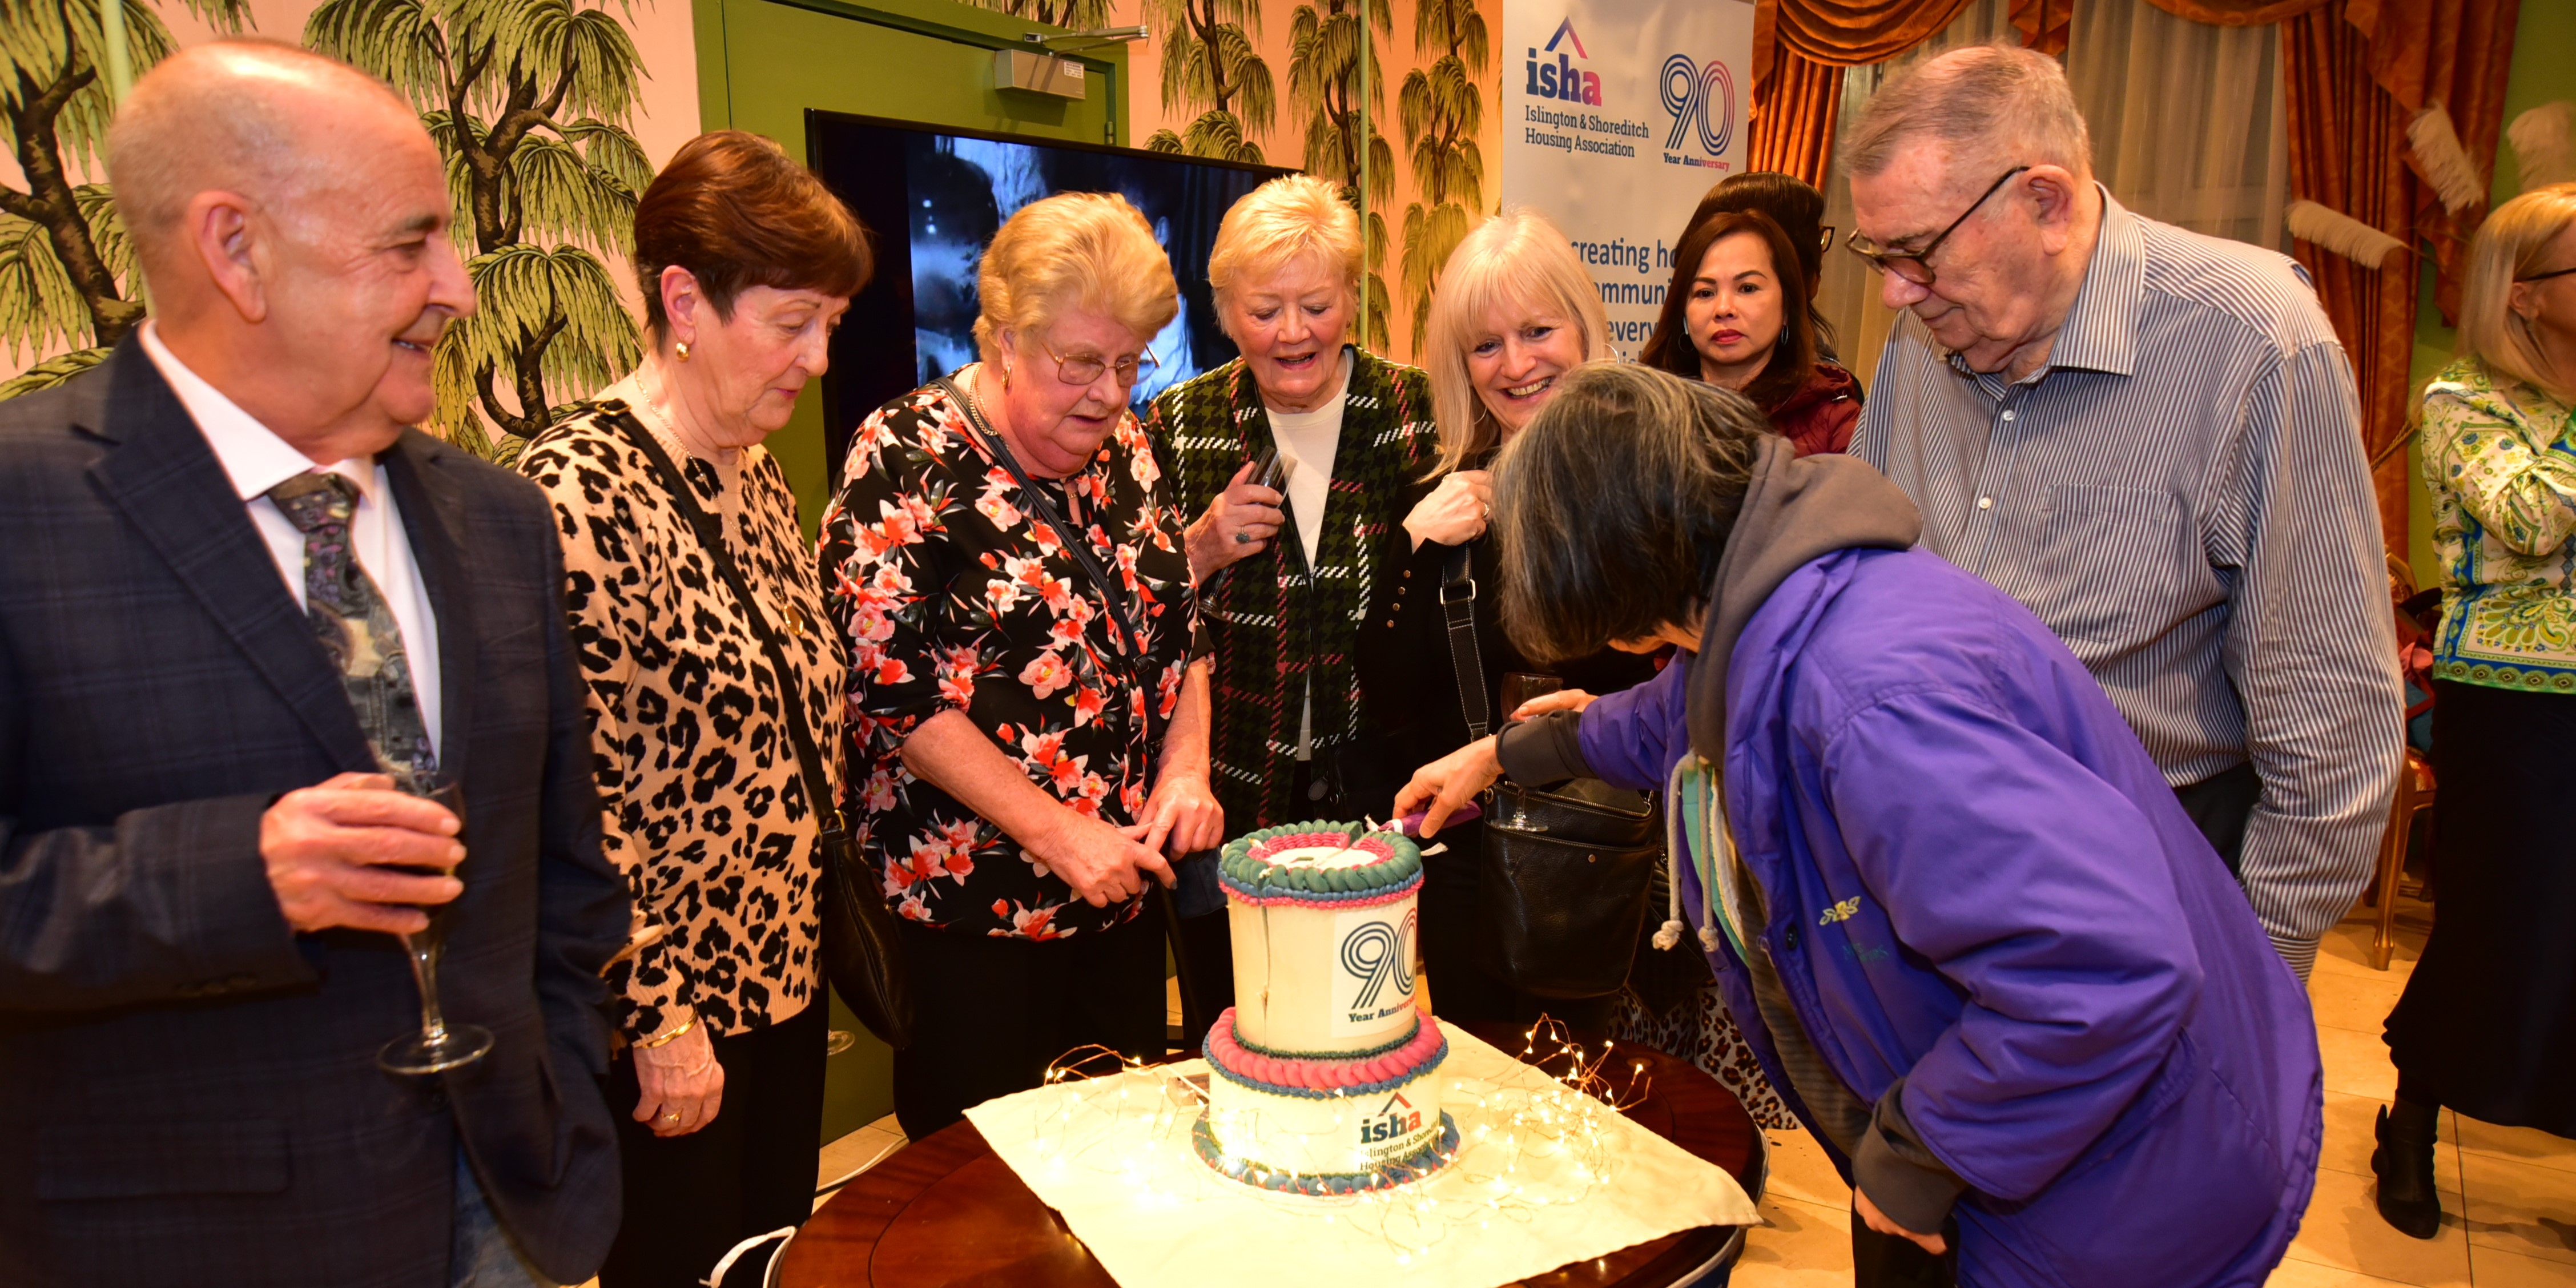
(1796, 510)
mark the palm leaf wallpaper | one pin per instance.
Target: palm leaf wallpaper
(552, 115)
(546, 114)
(1214, 66)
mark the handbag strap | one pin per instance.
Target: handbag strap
(809, 760)
(1458, 607)
(1035, 498)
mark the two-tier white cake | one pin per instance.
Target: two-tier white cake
(1325, 1075)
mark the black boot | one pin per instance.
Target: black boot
(2409, 1199)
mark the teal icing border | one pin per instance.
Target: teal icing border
(1241, 870)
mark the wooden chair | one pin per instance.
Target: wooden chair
(2414, 796)
(2414, 793)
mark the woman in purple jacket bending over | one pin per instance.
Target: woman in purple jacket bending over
(1971, 936)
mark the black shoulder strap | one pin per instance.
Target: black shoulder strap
(818, 785)
(1458, 606)
(1035, 499)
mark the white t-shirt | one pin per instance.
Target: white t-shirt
(1307, 442)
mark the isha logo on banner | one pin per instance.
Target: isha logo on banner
(1373, 969)
(1564, 80)
(1625, 112)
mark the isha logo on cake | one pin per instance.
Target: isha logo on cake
(1394, 1120)
(1376, 978)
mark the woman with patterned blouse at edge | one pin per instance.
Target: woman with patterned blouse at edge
(1735, 316)
(746, 264)
(2487, 1025)
(1028, 729)
(1352, 431)
(1513, 311)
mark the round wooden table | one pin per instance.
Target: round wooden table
(945, 1210)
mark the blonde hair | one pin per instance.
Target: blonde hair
(1278, 223)
(1090, 251)
(2508, 245)
(1517, 257)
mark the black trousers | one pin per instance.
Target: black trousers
(2220, 805)
(690, 1198)
(2487, 1024)
(989, 1015)
(1885, 1261)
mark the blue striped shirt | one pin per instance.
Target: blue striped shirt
(2180, 493)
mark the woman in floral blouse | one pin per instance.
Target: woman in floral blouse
(1028, 732)
(2487, 1025)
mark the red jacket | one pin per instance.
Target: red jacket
(1821, 416)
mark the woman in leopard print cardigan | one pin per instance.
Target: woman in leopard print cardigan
(747, 263)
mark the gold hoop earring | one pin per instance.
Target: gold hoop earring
(683, 347)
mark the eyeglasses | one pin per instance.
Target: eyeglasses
(1913, 265)
(2543, 277)
(1084, 368)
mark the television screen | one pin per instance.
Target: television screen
(934, 196)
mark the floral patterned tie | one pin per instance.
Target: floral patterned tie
(356, 628)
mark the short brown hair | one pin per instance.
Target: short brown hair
(737, 212)
(1793, 358)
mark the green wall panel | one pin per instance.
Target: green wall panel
(761, 66)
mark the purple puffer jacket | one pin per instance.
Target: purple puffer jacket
(1978, 884)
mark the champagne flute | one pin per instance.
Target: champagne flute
(1521, 686)
(439, 1046)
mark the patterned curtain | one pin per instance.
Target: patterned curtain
(2238, 13)
(1802, 47)
(1796, 106)
(2345, 135)
(2044, 24)
(2358, 71)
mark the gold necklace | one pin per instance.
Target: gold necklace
(789, 616)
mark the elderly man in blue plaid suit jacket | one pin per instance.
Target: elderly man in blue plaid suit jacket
(240, 603)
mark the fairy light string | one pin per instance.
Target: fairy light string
(1520, 1147)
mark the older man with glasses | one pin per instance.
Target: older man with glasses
(2150, 437)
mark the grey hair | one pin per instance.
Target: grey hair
(228, 114)
(1998, 104)
(1612, 507)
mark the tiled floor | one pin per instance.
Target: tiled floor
(2509, 1194)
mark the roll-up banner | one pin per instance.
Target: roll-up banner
(1618, 115)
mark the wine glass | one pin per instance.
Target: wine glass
(1521, 686)
(439, 1046)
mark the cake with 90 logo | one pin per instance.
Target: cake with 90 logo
(1324, 1075)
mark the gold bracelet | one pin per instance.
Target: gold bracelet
(668, 1038)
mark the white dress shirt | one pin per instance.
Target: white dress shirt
(257, 460)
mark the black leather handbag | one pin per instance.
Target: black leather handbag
(863, 957)
(1563, 882)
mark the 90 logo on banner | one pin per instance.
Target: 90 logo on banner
(1701, 101)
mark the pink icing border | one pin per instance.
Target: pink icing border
(1321, 1075)
(1299, 840)
(1388, 895)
